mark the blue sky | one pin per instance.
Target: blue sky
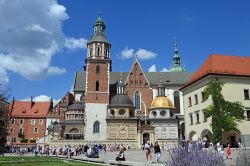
(43, 43)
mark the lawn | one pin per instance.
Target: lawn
(40, 161)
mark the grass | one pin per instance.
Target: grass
(40, 161)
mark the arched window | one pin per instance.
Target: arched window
(96, 127)
(98, 51)
(98, 69)
(177, 101)
(97, 87)
(137, 100)
(82, 98)
(20, 130)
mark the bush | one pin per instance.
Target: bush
(179, 156)
(32, 141)
(24, 140)
(243, 159)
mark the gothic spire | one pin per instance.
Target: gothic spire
(177, 67)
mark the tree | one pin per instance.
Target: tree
(3, 119)
(225, 114)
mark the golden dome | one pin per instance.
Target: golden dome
(161, 102)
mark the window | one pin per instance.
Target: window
(163, 113)
(248, 115)
(196, 99)
(137, 100)
(98, 69)
(40, 121)
(96, 127)
(20, 130)
(204, 116)
(202, 96)
(154, 113)
(98, 51)
(97, 88)
(35, 130)
(197, 117)
(11, 130)
(190, 101)
(246, 94)
(122, 112)
(13, 139)
(177, 101)
(191, 119)
(21, 121)
(13, 121)
(33, 121)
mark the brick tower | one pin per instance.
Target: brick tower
(98, 68)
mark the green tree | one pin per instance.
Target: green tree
(225, 114)
(3, 119)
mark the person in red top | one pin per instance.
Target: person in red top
(228, 151)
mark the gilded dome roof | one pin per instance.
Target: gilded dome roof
(161, 102)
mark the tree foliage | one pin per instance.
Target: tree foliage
(3, 119)
(225, 114)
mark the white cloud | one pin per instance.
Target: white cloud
(72, 43)
(127, 53)
(31, 33)
(165, 70)
(152, 68)
(145, 54)
(3, 76)
(53, 70)
(36, 27)
(42, 98)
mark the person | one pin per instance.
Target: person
(69, 152)
(148, 152)
(228, 151)
(157, 151)
(120, 155)
(89, 152)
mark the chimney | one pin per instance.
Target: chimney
(12, 104)
(31, 102)
(51, 103)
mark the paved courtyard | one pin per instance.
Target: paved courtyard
(138, 158)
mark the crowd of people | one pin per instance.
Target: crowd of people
(93, 150)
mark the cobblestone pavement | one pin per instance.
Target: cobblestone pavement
(133, 157)
(138, 158)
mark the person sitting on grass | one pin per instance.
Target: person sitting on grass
(120, 155)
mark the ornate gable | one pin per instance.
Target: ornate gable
(136, 77)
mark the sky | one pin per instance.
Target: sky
(43, 43)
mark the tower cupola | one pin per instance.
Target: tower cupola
(177, 67)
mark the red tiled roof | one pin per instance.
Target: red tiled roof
(24, 108)
(222, 65)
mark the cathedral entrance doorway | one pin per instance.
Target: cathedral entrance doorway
(146, 138)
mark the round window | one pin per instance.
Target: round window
(163, 113)
(112, 112)
(154, 113)
(121, 112)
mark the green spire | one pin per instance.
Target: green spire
(99, 30)
(177, 67)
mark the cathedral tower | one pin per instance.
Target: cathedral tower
(177, 67)
(98, 67)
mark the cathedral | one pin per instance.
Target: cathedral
(119, 107)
